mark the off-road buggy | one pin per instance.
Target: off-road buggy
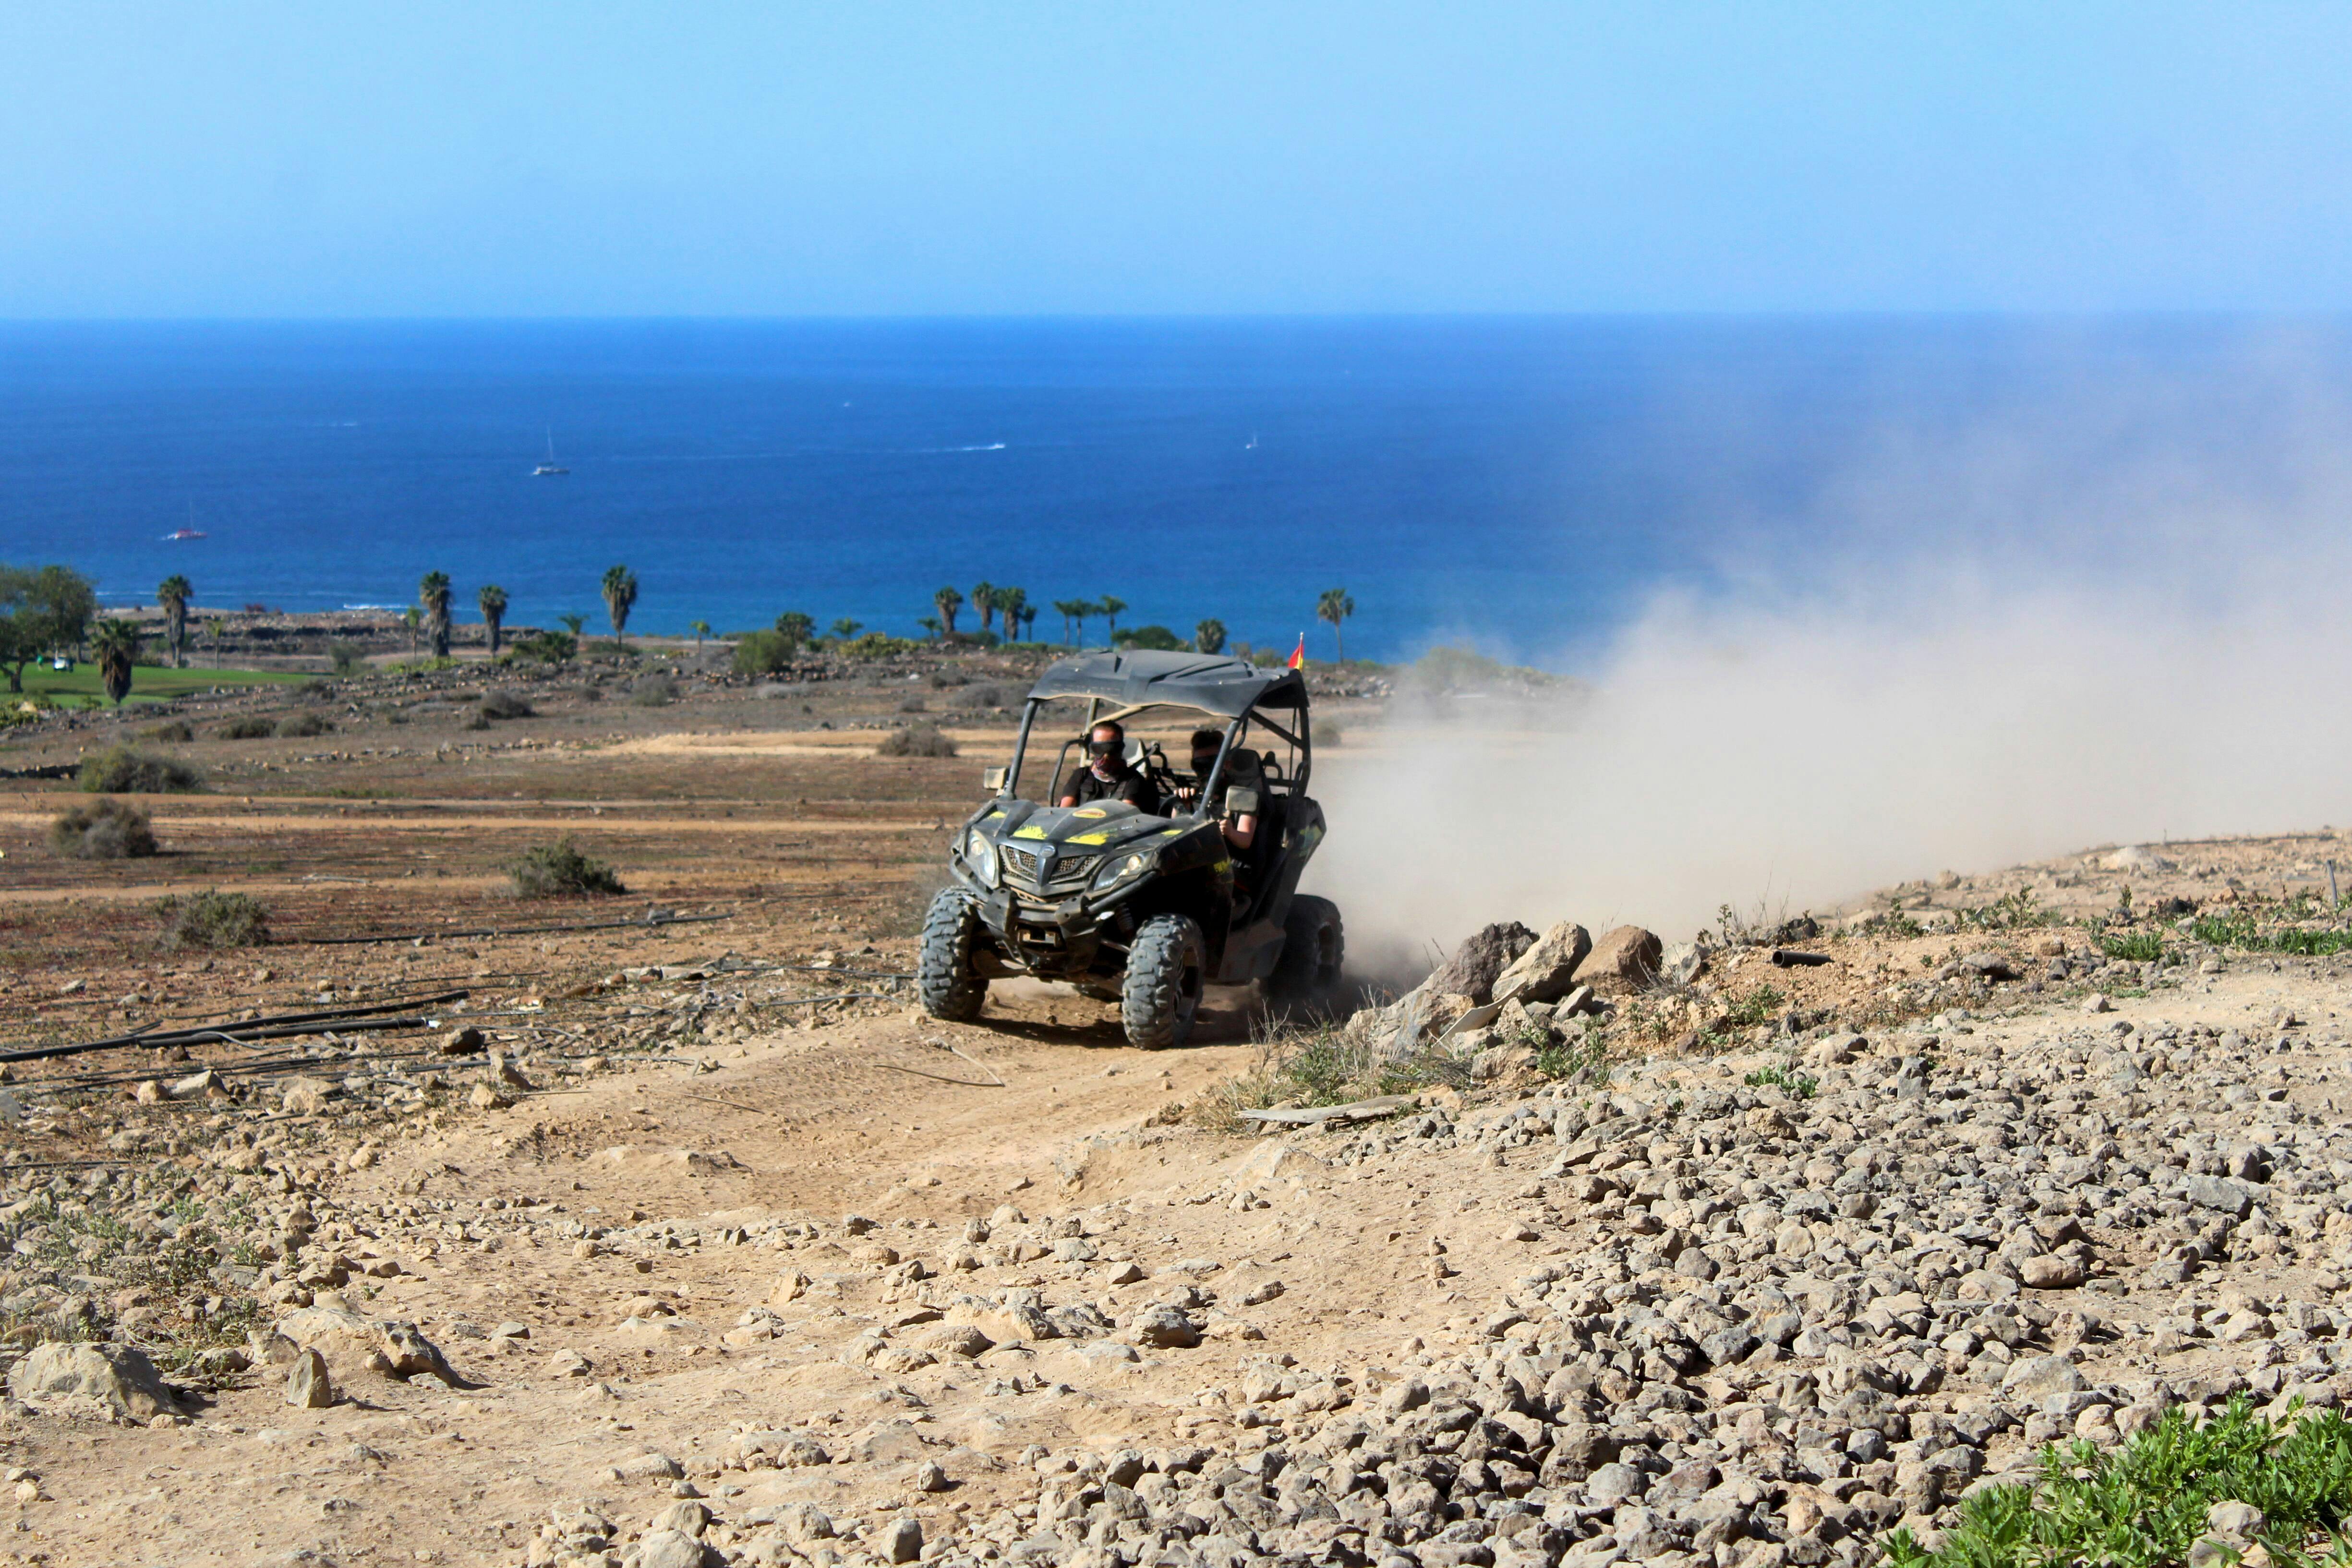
(1127, 905)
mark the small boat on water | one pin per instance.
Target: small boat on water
(551, 468)
(180, 533)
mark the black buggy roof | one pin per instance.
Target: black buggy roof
(1210, 682)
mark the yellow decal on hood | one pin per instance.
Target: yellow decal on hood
(1032, 831)
(1090, 838)
(1091, 813)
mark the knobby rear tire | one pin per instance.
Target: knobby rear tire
(1166, 970)
(943, 973)
(1314, 952)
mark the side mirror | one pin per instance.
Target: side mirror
(1242, 802)
(993, 780)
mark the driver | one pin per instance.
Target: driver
(1242, 772)
(1107, 775)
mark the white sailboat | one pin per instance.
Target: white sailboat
(550, 468)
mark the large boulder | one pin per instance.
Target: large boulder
(1548, 969)
(1482, 956)
(353, 1343)
(92, 1380)
(1623, 962)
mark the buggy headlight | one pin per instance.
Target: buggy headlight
(981, 856)
(1121, 868)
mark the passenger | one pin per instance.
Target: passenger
(1242, 772)
(1107, 775)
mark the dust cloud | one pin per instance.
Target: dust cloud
(2091, 618)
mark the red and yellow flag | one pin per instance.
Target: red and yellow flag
(1298, 659)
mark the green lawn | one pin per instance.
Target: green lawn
(81, 685)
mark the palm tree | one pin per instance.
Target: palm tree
(845, 628)
(700, 629)
(572, 624)
(433, 593)
(950, 601)
(1335, 606)
(1010, 602)
(1028, 620)
(493, 600)
(794, 626)
(411, 618)
(215, 629)
(1108, 609)
(1209, 636)
(173, 594)
(116, 644)
(931, 625)
(620, 595)
(1071, 611)
(984, 599)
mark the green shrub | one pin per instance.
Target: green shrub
(2133, 946)
(122, 771)
(177, 730)
(547, 647)
(559, 870)
(1155, 639)
(252, 727)
(763, 653)
(654, 690)
(106, 829)
(917, 741)
(505, 705)
(346, 657)
(214, 919)
(878, 644)
(2144, 1505)
(303, 725)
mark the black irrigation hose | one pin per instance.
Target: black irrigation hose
(510, 930)
(153, 1035)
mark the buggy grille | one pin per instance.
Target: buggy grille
(1069, 873)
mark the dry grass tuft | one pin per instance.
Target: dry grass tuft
(559, 871)
(122, 771)
(917, 741)
(214, 920)
(106, 829)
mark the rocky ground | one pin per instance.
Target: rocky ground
(694, 1254)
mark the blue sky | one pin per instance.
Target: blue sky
(603, 159)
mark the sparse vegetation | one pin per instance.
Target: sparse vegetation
(2132, 946)
(2146, 1504)
(345, 657)
(302, 725)
(1324, 1066)
(917, 741)
(504, 705)
(2010, 911)
(214, 920)
(914, 704)
(246, 727)
(1785, 1078)
(53, 1244)
(559, 871)
(176, 730)
(105, 830)
(2239, 929)
(1581, 1058)
(122, 771)
(1760, 1005)
(658, 690)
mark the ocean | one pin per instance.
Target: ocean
(1521, 486)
